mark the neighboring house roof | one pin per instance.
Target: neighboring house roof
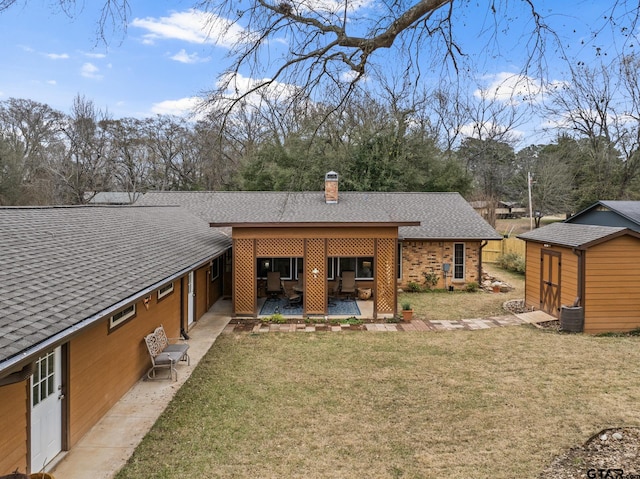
(440, 215)
(112, 197)
(63, 267)
(610, 213)
(575, 235)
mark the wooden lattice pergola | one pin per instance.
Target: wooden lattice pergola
(315, 243)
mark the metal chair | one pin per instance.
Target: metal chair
(274, 285)
(293, 299)
(348, 284)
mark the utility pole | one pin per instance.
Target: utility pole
(529, 181)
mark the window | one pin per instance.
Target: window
(458, 261)
(289, 268)
(122, 316)
(215, 268)
(331, 274)
(363, 266)
(166, 290)
(43, 378)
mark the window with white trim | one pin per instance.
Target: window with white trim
(362, 265)
(215, 268)
(458, 261)
(122, 316)
(166, 290)
(43, 380)
(289, 268)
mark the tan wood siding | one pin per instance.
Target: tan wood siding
(14, 427)
(568, 275)
(569, 282)
(613, 281)
(315, 232)
(202, 291)
(385, 290)
(104, 365)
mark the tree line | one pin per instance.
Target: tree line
(397, 140)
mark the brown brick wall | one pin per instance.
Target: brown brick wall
(420, 257)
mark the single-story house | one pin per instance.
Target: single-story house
(610, 213)
(593, 267)
(80, 287)
(389, 240)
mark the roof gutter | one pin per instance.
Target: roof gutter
(14, 363)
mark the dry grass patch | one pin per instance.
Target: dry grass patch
(497, 403)
(463, 305)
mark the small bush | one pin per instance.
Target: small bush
(431, 279)
(352, 320)
(406, 306)
(512, 262)
(413, 287)
(472, 287)
(275, 318)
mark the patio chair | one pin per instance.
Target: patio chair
(348, 284)
(293, 299)
(274, 285)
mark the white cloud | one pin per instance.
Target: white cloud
(489, 129)
(89, 70)
(183, 57)
(181, 107)
(57, 56)
(276, 91)
(52, 82)
(514, 88)
(94, 55)
(193, 26)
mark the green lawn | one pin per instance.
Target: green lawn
(496, 403)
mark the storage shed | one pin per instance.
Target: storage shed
(593, 267)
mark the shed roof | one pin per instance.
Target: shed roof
(63, 266)
(440, 215)
(575, 235)
(627, 209)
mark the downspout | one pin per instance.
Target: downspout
(581, 277)
(18, 376)
(482, 245)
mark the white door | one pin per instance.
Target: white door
(190, 302)
(46, 410)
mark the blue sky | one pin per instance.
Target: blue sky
(166, 58)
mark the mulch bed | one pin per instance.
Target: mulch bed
(611, 453)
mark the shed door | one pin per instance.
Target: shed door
(46, 410)
(550, 282)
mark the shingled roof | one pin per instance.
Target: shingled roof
(627, 210)
(575, 235)
(61, 267)
(441, 215)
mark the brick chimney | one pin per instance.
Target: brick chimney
(331, 187)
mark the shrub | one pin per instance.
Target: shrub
(472, 287)
(275, 318)
(431, 279)
(512, 262)
(352, 320)
(406, 306)
(413, 287)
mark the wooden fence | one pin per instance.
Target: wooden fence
(497, 248)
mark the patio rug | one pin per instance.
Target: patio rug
(338, 308)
